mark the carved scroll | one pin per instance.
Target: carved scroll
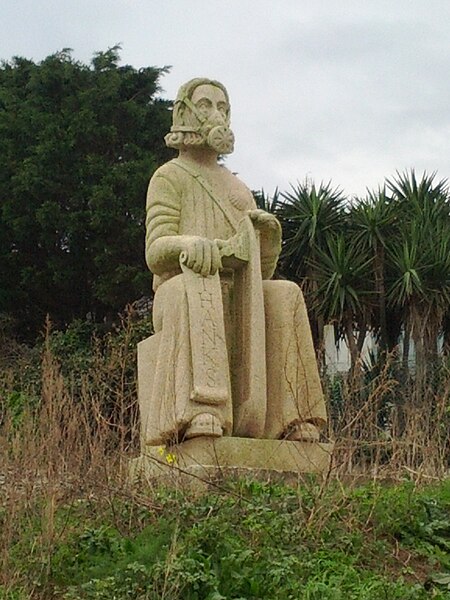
(210, 374)
(210, 361)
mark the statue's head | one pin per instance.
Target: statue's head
(201, 117)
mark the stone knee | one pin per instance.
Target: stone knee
(282, 299)
(294, 395)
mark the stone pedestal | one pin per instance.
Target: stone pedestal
(202, 459)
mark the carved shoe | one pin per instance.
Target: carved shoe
(204, 424)
(302, 432)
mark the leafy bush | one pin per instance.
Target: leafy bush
(257, 541)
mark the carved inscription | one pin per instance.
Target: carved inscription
(211, 383)
(209, 336)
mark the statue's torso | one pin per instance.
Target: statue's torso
(199, 214)
(184, 199)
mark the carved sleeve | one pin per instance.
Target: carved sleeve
(162, 221)
(163, 209)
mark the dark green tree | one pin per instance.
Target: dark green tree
(78, 144)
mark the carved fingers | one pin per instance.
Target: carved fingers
(202, 256)
(216, 260)
(262, 219)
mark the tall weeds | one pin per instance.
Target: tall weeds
(384, 429)
(64, 434)
(69, 425)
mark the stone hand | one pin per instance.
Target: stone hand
(262, 219)
(201, 255)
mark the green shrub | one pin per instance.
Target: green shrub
(259, 541)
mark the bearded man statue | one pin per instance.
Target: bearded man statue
(232, 353)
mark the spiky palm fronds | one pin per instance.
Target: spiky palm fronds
(309, 215)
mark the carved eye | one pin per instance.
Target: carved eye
(204, 107)
(223, 108)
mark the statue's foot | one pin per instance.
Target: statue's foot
(302, 432)
(204, 424)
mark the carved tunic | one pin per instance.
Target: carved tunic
(211, 205)
(178, 204)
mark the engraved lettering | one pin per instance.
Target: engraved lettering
(209, 337)
(206, 299)
(211, 377)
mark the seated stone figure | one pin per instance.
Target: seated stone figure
(232, 353)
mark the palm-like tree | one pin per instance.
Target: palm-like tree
(345, 292)
(399, 234)
(373, 220)
(309, 216)
(266, 202)
(420, 198)
(419, 261)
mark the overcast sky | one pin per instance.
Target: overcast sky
(342, 90)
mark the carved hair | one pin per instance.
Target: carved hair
(181, 133)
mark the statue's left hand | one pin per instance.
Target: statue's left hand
(270, 228)
(262, 219)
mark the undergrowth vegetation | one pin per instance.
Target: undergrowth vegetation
(251, 540)
(377, 526)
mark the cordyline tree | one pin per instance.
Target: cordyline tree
(78, 144)
(379, 263)
(418, 265)
(309, 215)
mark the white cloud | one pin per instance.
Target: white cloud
(345, 90)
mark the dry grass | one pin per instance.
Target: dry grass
(70, 437)
(73, 436)
(383, 430)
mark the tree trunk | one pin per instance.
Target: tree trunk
(416, 332)
(352, 345)
(405, 353)
(446, 332)
(380, 289)
(361, 338)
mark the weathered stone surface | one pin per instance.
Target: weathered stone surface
(232, 354)
(207, 458)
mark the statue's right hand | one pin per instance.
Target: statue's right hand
(202, 255)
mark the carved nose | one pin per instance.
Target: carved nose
(218, 117)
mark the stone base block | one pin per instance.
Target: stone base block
(203, 458)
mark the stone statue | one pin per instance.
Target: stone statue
(232, 353)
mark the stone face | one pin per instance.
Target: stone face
(232, 352)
